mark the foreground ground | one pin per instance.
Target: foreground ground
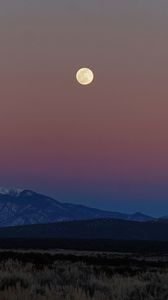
(73, 275)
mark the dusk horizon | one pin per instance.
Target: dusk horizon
(104, 145)
(84, 139)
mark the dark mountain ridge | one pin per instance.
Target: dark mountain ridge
(112, 229)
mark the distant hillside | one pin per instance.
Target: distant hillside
(92, 229)
(24, 207)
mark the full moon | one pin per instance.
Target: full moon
(84, 76)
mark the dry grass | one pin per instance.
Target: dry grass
(64, 280)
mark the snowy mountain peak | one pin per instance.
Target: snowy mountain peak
(10, 191)
(25, 207)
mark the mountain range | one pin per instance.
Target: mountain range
(25, 207)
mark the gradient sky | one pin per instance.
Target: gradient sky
(104, 145)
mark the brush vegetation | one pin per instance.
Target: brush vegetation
(85, 277)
